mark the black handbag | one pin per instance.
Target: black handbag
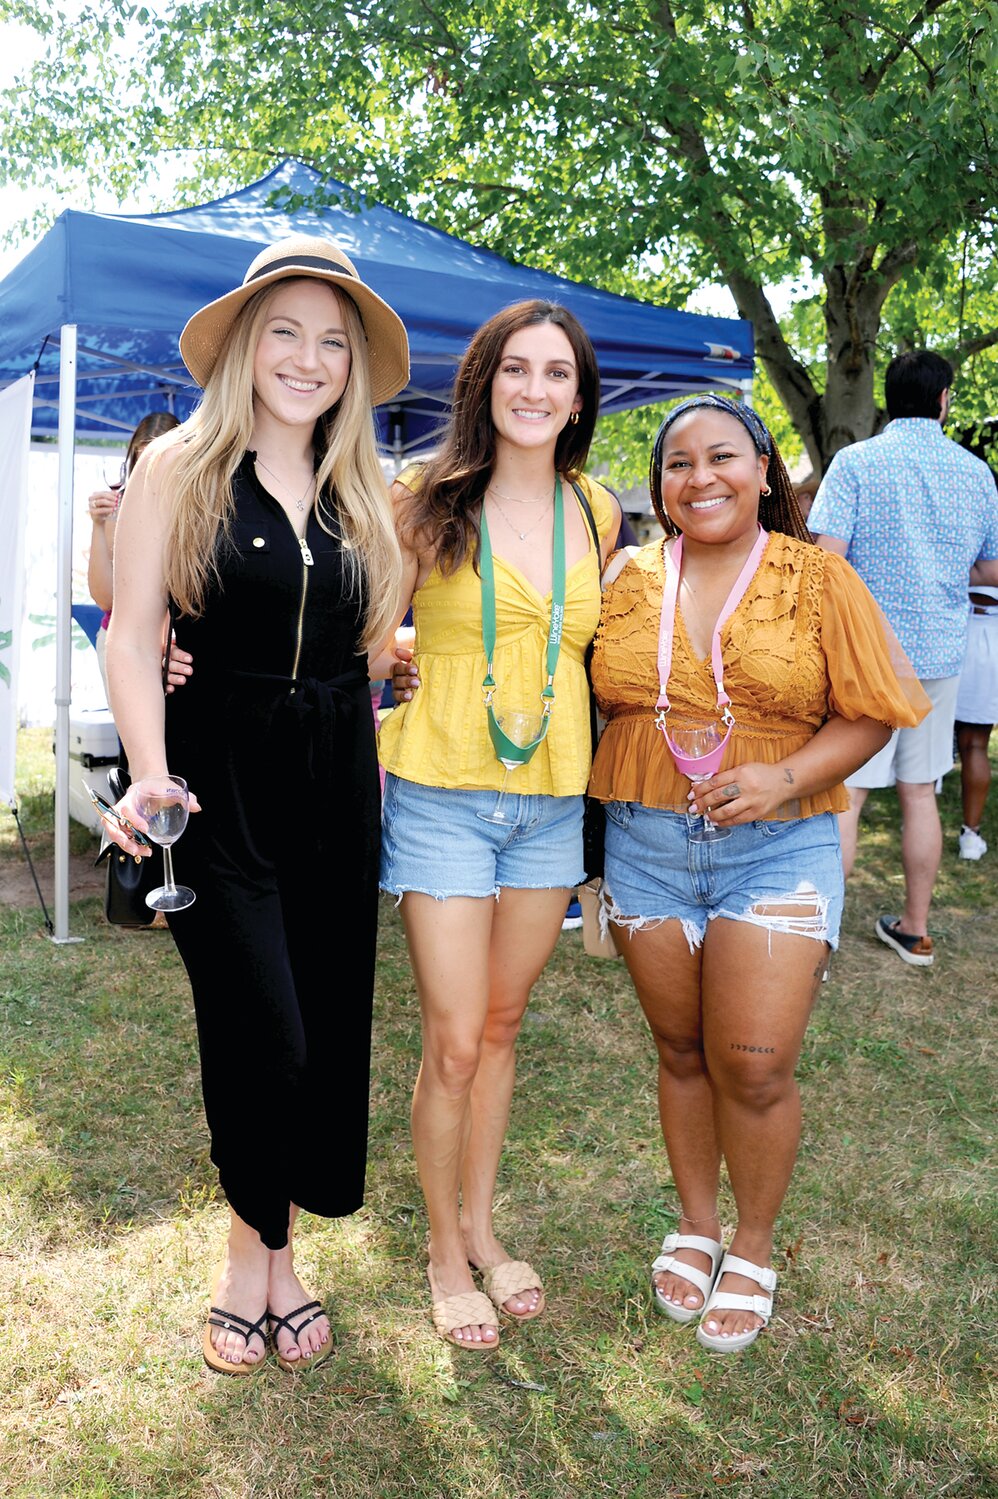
(129, 879)
(594, 815)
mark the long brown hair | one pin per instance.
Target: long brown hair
(151, 426)
(351, 491)
(442, 514)
(779, 510)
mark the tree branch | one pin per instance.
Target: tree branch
(509, 191)
(975, 345)
(873, 77)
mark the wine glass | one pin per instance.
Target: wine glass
(162, 802)
(114, 475)
(522, 726)
(692, 740)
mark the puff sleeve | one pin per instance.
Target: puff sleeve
(869, 674)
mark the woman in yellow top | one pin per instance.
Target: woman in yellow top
(726, 893)
(496, 540)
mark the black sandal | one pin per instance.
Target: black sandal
(304, 1360)
(232, 1322)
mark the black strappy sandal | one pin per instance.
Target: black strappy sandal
(306, 1360)
(232, 1322)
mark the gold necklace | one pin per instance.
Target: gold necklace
(513, 499)
(522, 534)
(299, 504)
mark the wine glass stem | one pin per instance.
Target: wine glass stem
(500, 806)
(698, 781)
(170, 888)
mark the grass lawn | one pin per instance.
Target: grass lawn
(876, 1377)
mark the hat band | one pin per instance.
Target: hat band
(300, 262)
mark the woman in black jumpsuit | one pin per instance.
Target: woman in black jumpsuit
(275, 737)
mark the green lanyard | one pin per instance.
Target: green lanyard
(504, 747)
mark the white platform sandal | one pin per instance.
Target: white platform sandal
(700, 1280)
(729, 1301)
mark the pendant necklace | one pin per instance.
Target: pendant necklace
(299, 504)
(522, 534)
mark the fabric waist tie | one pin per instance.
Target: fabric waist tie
(324, 710)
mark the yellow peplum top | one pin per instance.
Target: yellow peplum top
(441, 737)
(807, 640)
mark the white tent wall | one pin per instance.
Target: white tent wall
(15, 424)
(36, 694)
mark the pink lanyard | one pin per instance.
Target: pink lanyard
(670, 595)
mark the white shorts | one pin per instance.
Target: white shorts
(916, 756)
(977, 699)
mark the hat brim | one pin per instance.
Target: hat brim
(387, 344)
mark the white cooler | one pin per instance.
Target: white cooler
(93, 750)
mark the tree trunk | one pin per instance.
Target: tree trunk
(852, 322)
(791, 380)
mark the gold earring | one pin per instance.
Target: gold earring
(574, 418)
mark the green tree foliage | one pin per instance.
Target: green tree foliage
(846, 144)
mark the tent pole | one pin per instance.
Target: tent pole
(64, 625)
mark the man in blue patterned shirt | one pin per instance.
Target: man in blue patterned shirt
(917, 516)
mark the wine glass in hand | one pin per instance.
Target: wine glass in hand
(162, 803)
(522, 726)
(691, 740)
(114, 476)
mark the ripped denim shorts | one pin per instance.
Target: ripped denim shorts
(656, 871)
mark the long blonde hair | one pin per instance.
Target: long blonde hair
(351, 491)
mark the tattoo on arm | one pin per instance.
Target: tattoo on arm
(737, 1046)
(788, 776)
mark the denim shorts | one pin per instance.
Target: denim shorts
(658, 868)
(440, 842)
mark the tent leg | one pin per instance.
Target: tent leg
(64, 626)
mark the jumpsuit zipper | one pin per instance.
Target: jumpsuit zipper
(307, 561)
(306, 557)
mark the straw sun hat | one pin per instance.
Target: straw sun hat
(323, 260)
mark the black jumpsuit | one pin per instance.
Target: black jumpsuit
(275, 735)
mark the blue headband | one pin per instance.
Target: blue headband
(756, 429)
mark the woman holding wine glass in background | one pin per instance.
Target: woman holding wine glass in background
(102, 507)
(726, 895)
(264, 524)
(503, 571)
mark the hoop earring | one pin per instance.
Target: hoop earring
(765, 490)
(574, 418)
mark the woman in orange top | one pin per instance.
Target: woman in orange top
(726, 893)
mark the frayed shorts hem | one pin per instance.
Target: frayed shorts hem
(815, 927)
(441, 895)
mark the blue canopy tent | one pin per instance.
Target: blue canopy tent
(96, 309)
(130, 283)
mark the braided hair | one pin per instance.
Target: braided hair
(778, 510)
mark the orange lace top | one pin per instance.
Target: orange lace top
(807, 640)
